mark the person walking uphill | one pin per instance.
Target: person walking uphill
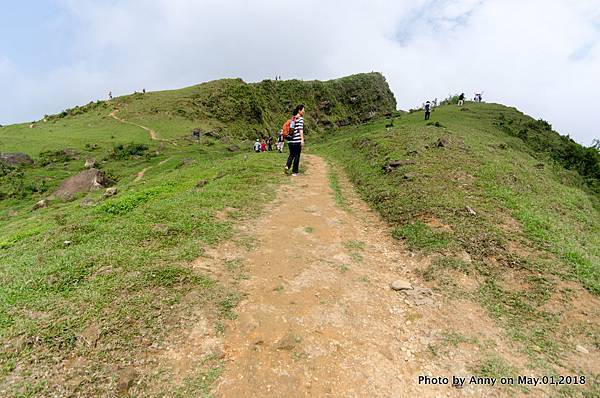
(296, 140)
(427, 108)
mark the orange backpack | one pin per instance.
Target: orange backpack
(288, 128)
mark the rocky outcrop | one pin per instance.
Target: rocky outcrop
(82, 182)
(15, 159)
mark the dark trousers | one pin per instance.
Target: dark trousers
(426, 115)
(294, 157)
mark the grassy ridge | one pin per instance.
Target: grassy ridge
(125, 270)
(535, 223)
(117, 273)
(243, 110)
(230, 107)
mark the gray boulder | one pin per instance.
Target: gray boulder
(15, 159)
(85, 181)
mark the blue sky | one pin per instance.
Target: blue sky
(541, 56)
(36, 35)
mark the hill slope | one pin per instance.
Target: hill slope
(95, 289)
(496, 220)
(228, 107)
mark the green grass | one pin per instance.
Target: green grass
(337, 190)
(126, 270)
(420, 236)
(120, 271)
(94, 127)
(550, 213)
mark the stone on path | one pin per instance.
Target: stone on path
(401, 284)
(582, 349)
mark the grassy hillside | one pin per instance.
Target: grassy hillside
(93, 282)
(229, 107)
(482, 203)
(86, 289)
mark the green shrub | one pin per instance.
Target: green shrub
(58, 156)
(122, 152)
(14, 184)
(541, 139)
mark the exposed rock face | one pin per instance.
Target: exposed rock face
(110, 192)
(390, 166)
(41, 204)
(443, 142)
(15, 159)
(90, 163)
(82, 182)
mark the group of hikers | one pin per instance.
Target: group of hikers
(262, 145)
(291, 132)
(429, 105)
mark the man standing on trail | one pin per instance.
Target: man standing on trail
(296, 140)
(257, 146)
(427, 108)
(461, 99)
(270, 143)
(110, 95)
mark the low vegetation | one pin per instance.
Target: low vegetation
(481, 192)
(520, 218)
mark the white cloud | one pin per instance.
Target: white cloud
(541, 56)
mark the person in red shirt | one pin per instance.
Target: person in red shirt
(263, 146)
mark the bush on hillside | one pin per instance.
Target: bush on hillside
(452, 99)
(540, 138)
(121, 152)
(58, 156)
(13, 184)
(77, 110)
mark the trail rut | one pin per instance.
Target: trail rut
(153, 135)
(319, 317)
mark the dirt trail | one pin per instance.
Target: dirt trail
(319, 317)
(142, 172)
(152, 133)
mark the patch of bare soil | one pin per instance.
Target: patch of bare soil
(319, 317)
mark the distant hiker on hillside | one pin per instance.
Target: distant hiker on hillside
(461, 99)
(434, 102)
(143, 91)
(110, 95)
(427, 109)
(257, 146)
(296, 140)
(477, 97)
(270, 143)
(280, 141)
(263, 146)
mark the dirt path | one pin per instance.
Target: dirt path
(142, 172)
(319, 317)
(153, 135)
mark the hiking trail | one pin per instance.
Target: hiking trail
(319, 317)
(153, 135)
(140, 174)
